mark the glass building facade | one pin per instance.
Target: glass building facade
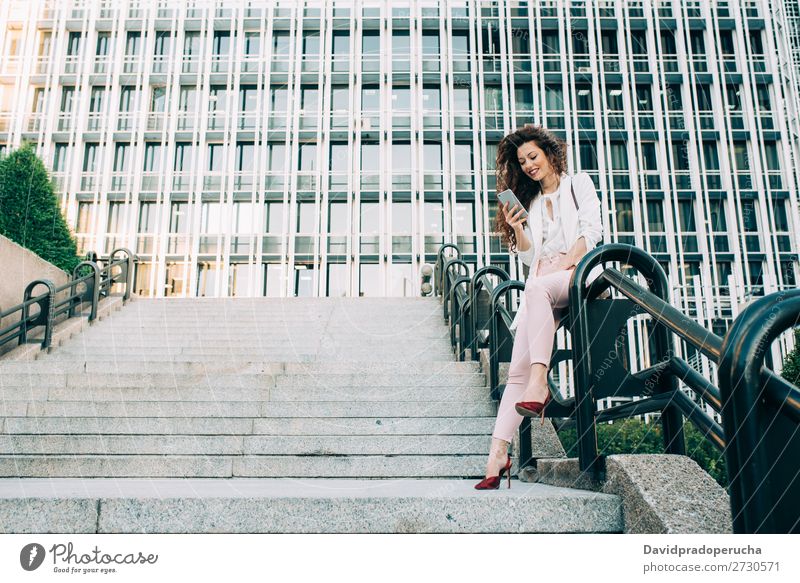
(247, 148)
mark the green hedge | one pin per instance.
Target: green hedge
(791, 364)
(30, 214)
(636, 436)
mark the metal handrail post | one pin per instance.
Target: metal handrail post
(92, 291)
(44, 318)
(127, 269)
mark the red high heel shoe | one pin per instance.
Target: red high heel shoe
(493, 482)
(532, 408)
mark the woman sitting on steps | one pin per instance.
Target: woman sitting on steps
(563, 225)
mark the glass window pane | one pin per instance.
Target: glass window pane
(147, 217)
(338, 280)
(370, 99)
(434, 217)
(655, 215)
(401, 158)
(401, 44)
(403, 283)
(432, 158)
(370, 44)
(273, 217)
(337, 217)
(341, 44)
(252, 43)
(179, 218)
(308, 158)
(369, 283)
(311, 44)
(431, 99)
(370, 220)
(215, 157)
(273, 280)
(339, 160)
(430, 45)
(464, 217)
(245, 154)
(210, 217)
(624, 209)
(686, 213)
(401, 98)
(462, 158)
(370, 157)
(183, 156)
(306, 217)
(401, 217)
(276, 157)
(340, 99)
(462, 99)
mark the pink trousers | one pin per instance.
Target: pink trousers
(546, 300)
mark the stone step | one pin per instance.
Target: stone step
(172, 396)
(378, 324)
(222, 466)
(144, 380)
(290, 305)
(293, 445)
(353, 394)
(262, 337)
(291, 393)
(286, 304)
(246, 505)
(376, 379)
(378, 321)
(248, 426)
(234, 367)
(448, 366)
(166, 335)
(424, 354)
(329, 409)
(147, 380)
(58, 357)
(402, 315)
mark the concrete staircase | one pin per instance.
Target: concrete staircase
(263, 415)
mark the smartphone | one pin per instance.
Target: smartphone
(508, 196)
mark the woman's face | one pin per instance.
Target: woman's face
(533, 161)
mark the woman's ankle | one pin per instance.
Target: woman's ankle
(537, 391)
(498, 449)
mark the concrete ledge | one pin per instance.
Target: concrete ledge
(310, 505)
(65, 330)
(43, 515)
(661, 493)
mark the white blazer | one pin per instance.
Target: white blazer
(581, 222)
(585, 221)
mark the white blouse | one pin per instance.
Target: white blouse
(552, 229)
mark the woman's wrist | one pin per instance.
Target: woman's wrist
(570, 259)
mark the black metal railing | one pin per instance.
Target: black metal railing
(761, 414)
(91, 280)
(762, 461)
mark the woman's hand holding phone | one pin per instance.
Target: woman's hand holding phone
(515, 217)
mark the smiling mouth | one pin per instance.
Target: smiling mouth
(533, 172)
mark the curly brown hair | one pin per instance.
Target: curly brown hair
(510, 174)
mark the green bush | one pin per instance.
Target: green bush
(30, 214)
(791, 364)
(636, 436)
